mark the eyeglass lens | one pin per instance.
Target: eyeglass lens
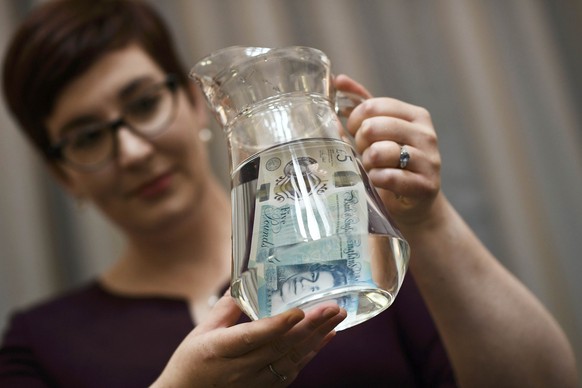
(148, 115)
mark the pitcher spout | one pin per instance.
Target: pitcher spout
(236, 78)
(264, 97)
(214, 72)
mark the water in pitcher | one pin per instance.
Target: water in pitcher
(308, 228)
(307, 225)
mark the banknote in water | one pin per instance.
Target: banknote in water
(310, 226)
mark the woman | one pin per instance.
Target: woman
(149, 174)
(111, 111)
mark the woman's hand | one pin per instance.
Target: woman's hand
(485, 317)
(219, 353)
(381, 127)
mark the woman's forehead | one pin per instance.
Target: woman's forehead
(112, 73)
(103, 84)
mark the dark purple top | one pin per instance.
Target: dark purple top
(92, 338)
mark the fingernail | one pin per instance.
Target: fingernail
(330, 312)
(341, 315)
(295, 316)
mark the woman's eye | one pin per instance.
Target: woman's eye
(88, 138)
(143, 107)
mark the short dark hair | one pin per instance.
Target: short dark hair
(59, 40)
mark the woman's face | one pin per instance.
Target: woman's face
(150, 182)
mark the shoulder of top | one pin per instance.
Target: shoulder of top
(62, 302)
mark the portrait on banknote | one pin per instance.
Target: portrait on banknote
(288, 284)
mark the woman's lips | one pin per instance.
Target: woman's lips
(156, 187)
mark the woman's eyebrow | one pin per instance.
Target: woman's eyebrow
(123, 94)
(77, 122)
(134, 85)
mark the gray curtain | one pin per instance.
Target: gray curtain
(501, 79)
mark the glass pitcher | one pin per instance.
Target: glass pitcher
(307, 225)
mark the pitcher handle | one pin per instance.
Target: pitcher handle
(345, 102)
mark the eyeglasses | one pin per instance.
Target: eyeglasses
(91, 147)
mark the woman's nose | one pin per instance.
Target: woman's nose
(132, 149)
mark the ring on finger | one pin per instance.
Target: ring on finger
(404, 157)
(279, 375)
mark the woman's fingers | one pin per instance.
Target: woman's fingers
(225, 313)
(301, 345)
(387, 107)
(389, 154)
(275, 336)
(306, 336)
(381, 127)
(286, 342)
(374, 129)
(240, 355)
(245, 337)
(346, 84)
(286, 356)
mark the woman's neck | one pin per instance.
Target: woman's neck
(191, 260)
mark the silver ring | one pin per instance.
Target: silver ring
(279, 376)
(404, 156)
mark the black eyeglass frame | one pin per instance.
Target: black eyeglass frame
(55, 151)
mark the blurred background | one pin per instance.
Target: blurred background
(502, 79)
